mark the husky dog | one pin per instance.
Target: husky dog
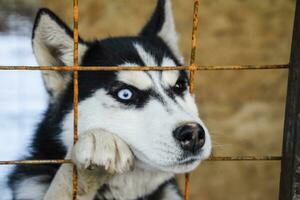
(139, 127)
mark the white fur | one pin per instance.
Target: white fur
(168, 32)
(55, 82)
(140, 79)
(169, 78)
(49, 37)
(147, 58)
(136, 183)
(36, 189)
(48, 34)
(135, 78)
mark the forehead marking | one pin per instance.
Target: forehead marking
(146, 57)
(169, 78)
(159, 79)
(137, 79)
(168, 62)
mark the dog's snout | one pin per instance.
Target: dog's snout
(191, 136)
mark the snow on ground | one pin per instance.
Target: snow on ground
(22, 101)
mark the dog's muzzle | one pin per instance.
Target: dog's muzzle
(191, 137)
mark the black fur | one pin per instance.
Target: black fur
(108, 52)
(156, 195)
(156, 22)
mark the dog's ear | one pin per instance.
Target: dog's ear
(162, 24)
(53, 44)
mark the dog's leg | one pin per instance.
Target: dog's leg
(88, 183)
(98, 155)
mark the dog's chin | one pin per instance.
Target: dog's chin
(177, 168)
(182, 166)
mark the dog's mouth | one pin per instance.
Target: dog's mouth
(186, 164)
(188, 161)
(190, 158)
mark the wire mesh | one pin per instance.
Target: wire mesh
(192, 69)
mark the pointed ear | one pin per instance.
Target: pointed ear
(162, 24)
(52, 43)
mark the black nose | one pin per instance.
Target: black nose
(191, 136)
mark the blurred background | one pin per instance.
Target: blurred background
(244, 110)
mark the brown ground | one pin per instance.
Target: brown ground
(243, 109)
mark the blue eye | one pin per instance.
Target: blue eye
(125, 94)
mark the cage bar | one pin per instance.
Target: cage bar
(192, 70)
(290, 165)
(35, 162)
(145, 68)
(245, 158)
(75, 95)
(192, 66)
(214, 158)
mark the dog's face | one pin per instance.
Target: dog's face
(152, 111)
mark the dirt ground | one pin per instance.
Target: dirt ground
(243, 109)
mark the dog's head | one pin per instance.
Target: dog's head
(152, 111)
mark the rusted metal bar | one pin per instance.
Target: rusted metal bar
(35, 162)
(242, 67)
(290, 164)
(245, 158)
(215, 158)
(192, 66)
(75, 32)
(75, 136)
(192, 69)
(187, 186)
(145, 68)
(75, 95)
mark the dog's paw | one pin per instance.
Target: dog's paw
(98, 148)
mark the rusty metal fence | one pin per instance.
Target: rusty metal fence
(290, 158)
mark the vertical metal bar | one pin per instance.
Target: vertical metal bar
(75, 97)
(290, 164)
(187, 187)
(194, 47)
(192, 69)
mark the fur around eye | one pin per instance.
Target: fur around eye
(180, 86)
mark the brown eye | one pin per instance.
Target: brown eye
(180, 87)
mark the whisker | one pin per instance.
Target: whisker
(166, 151)
(222, 146)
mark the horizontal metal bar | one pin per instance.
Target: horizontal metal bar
(144, 68)
(245, 158)
(242, 67)
(214, 158)
(91, 68)
(35, 162)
